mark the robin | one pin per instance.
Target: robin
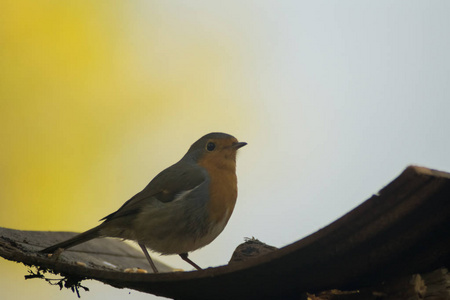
(184, 208)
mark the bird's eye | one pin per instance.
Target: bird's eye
(210, 146)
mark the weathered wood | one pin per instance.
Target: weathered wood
(438, 284)
(402, 230)
(250, 249)
(101, 254)
(408, 288)
(429, 286)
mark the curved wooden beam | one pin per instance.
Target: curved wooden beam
(404, 229)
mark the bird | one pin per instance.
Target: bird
(183, 208)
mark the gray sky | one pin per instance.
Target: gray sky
(344, 94)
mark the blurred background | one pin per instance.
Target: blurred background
(334, 98)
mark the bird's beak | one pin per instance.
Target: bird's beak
(238, 145)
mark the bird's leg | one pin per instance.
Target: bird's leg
(144, 249)
(184, 256)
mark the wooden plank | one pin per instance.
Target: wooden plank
(103, 254)
(402, 230)
(429, 286)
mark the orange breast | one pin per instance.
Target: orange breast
(222, 190)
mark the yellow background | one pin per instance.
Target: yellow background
(96, 98)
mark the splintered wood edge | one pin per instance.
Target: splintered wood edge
(427, 171)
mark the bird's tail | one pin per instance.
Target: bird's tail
(78, 239)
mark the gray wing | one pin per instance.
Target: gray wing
(165, 187)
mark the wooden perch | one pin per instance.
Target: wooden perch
(401, 231)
